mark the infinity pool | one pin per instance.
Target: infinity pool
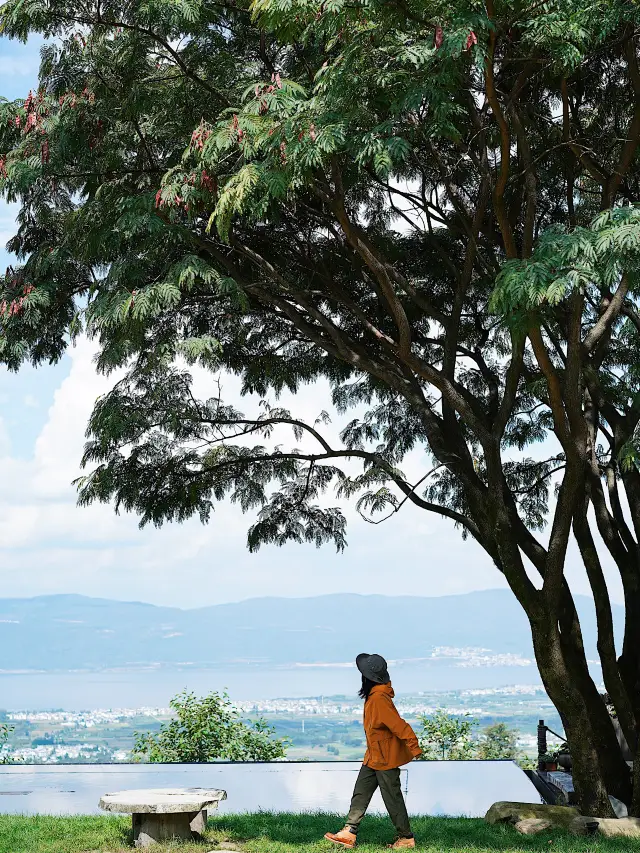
(431, 787)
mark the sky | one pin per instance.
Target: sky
(49, 545)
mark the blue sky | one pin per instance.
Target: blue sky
(23, 403)
(49, 545)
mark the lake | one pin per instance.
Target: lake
(77, 691)
(465, 788)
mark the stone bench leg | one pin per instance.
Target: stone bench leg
(151, 829)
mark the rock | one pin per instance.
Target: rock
(505, 812)
(610, 827)
(583, 825)
(619, 807)
(533, 825)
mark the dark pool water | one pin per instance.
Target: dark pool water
(432, 788)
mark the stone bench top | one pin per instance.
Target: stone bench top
(161, 800)
(561, 780)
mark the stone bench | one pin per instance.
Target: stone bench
(160, 814)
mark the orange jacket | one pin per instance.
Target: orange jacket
(391, 742)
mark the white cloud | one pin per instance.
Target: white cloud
(48, 544)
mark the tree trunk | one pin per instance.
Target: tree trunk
(588, 773)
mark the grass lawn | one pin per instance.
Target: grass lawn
(289, 833)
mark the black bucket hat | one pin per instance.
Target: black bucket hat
(373, 667)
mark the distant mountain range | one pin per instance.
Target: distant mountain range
(65, 632)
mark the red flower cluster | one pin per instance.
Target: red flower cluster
(178, 201)
(209, 182)
(3, 167)
(199, 137)
(261, 91)
(15, 306)
(35, 114)
(72, 99)
(234, 126)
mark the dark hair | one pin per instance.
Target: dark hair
(367, 687)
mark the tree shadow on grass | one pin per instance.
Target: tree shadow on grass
(443, 834)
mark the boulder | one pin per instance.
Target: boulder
(619, 807)
(533, 825)
(610, 827)
(583, 825)
(628, 827)
(505, 812)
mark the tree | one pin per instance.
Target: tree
(205, 730)
(432, 205)
(5, 731)
(444, 736)
(497, 742)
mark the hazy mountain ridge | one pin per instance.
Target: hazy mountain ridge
(75, 632)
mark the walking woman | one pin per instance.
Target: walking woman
(391, 742)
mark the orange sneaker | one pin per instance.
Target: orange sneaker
(345, 838)
(403, 844)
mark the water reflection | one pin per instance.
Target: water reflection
(432, 788)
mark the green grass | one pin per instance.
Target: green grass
(290, 833)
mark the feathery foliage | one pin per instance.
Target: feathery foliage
(431, 206)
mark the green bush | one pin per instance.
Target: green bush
(205, 730)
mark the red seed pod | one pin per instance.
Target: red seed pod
(17, 121)
(472, 39)
(312, 132)
(438, 37)
(159, 198)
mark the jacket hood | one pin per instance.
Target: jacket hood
(383, 688)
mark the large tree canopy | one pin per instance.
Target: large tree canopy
(431, 205)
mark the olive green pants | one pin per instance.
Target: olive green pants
(389, 783)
